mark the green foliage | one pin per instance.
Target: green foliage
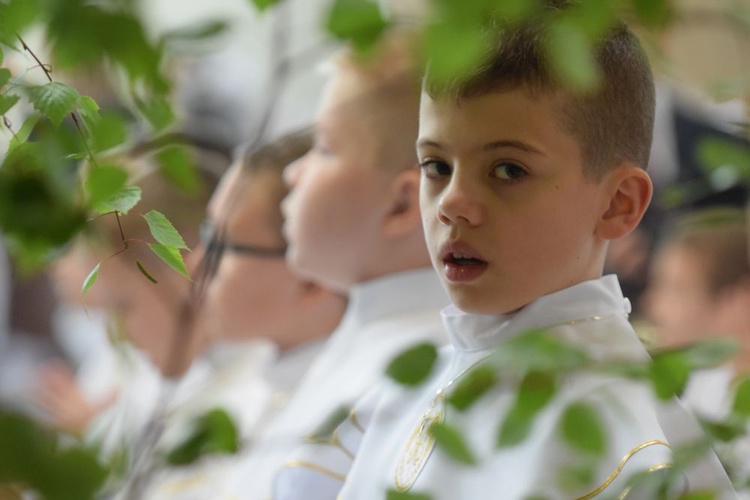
(452, 442)
(36, 206)
(454, 49)
(582, 429)
(90, 279)
(54, 100)
(170, 255)
(7, 101)
(329, 425)
(357, 21)
(741, 402)
(406, 495)
(653, 13)
(163, 231)
(104, 182)
(264, 4)
(414, 365)
(571, 55)
(717, 153)
(179, 167)
(212, 433)
(32, 457)
(538, 350)
(82, 34)
(15, 17)
(145, 272)
(472, 386)
(534, 392)
(122, 201)
(156, 109)
(669, 374)
(107, 130)
(196, 32)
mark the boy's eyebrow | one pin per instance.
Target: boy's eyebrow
(489, 146)
(512, 144)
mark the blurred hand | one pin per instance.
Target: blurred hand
(67, 406)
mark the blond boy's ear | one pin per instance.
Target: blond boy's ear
(403, 216)
(629, 191)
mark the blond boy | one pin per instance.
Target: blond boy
(524, 183)
(353, 225)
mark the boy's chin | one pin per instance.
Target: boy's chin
(476, 304)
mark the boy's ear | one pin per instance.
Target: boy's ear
(629, 191)
(403, 215)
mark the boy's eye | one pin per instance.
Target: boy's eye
(509, 171)
(435, 168)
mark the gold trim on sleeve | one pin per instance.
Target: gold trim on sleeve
(334, 441)
(621, 466)
(316, 468)
(355, 421)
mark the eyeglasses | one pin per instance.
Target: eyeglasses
(215, 245)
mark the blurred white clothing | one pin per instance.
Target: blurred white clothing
(388, 433)
(383, 317)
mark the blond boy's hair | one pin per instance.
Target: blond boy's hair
(389, 79)
(611, 123)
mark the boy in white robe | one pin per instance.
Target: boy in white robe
(353, 224)
(259, 324)
(524, 183)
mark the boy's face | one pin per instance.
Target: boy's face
(249, 295)
(336, 201)
(507, 211)
(678, 300)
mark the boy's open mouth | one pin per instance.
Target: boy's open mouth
(458, 259)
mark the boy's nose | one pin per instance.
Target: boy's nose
(459, 204)
(292, 172)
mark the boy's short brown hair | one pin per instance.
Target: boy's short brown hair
(612, 123)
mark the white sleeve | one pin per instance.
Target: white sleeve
(317, 469)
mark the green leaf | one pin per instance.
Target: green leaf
(535, 391)
(145, 272)
(711, 353)
(472, 386)
(571, 55)
(157, 110)
(22, 134)
(262, 5)
(723, 431)
(581, 427)
(7, 101)
(212, 433)
(170, 255)
(5, 75)
(122, 201)
(538, 350)
(82, 33)
(178, 166)
(196, 32)
(653, 12)
(414, 365)
(715, 153)
(105, 181)
(332, 421)
(669, 373)
(452, 442)
(406, 495)
(15, 17)
(741, 403)
(453, 49)
(108, 131)
(54, 99)
(163, 231)
(89, 110)
(357, 21)
(90, 279)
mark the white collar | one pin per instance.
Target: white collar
(589, 299)
(393, 294)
